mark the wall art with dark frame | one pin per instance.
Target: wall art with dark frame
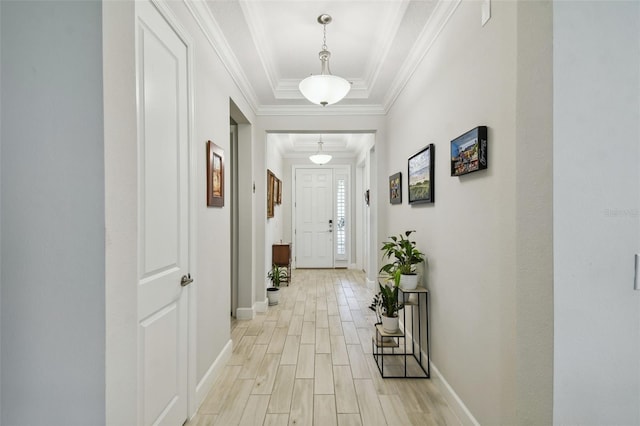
(278, 192)
(215, 175)
(469, 152)
(271, 193)
(421, 184)
(395, 188)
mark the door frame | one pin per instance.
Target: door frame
(294, 169)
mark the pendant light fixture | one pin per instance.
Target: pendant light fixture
(324, 89)
(320, 157)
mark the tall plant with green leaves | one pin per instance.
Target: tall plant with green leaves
(403, 254)
(277, 274)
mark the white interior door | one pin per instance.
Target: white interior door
(314, 218)
(163, 233)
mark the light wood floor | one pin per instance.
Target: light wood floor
(307, 361)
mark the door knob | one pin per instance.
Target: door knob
(186, 280)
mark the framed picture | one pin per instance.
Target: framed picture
(278, 191)
(271, 183)
(395, 188)
(215, 175)
(469, 152)
(421, 183)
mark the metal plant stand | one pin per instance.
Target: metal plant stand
(400, 354)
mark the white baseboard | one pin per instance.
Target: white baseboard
(452, 398)
(457, 406)
(261, 306)
(353, 266)
(202, 389)
(371, 284)
(245, 313)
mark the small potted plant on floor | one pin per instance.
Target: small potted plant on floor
(386, 305)
(404, 256)
(276, 275)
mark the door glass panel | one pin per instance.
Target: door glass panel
(341, 249)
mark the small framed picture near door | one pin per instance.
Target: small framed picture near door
(395, 188)
(215, 175)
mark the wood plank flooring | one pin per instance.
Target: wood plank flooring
(307, 361)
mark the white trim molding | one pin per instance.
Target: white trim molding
(211, 30)
(209, 378)
(261, 306)
(245, 314)
(455, 403)
(457, 406)
(437, 22)
(371, 284)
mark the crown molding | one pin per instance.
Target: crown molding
(211, 30)
(438, 20)
(258, 34)
(381, 52)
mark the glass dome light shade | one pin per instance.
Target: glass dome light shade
(320, 158)
(324, 89)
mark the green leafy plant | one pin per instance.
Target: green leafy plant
(386, 302)
(277, 274)
(403, 254)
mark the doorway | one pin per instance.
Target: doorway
(314, 218)
(322, 217)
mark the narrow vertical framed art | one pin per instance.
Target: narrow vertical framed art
(215, 175)
(395, 188)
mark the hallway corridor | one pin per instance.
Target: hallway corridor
(307, 361)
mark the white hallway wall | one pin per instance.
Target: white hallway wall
(473, 233)
(274, 227)
(53, 242)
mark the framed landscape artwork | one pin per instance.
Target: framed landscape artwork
(421, 185)
(395, 188)
(469, 152)
(215, 175)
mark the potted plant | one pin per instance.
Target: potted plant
(276, 275)
(402, 251)
(386, 305)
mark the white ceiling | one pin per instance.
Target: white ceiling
(269, 46)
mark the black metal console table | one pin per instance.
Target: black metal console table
(399, 355)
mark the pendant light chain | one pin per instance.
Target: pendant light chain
(324, 37)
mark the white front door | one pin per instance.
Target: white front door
(314, 218)
(163, 227)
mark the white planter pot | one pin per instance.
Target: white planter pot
(273, 294)
(390, 324)
(409, 282)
